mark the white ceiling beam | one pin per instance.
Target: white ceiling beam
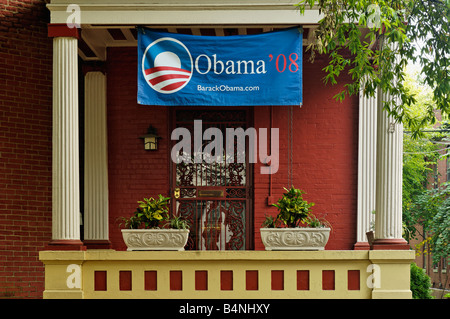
(97, 40)
(177, 12)
(127, 33)
(219, 32)
(196, 31)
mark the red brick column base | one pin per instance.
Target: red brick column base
(390, 244)
(66, 244)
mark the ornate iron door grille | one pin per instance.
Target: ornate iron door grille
(214, 197)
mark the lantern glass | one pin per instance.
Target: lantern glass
(150, 143)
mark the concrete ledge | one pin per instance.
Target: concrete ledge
(102, 254)
(392, 256)
(62, 294)
(326, 274)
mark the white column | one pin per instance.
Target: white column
(96, 233)
(66, 196)
(388, 216)
(367, 145)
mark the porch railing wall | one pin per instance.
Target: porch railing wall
(221, 274)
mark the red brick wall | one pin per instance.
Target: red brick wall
(25, 146)
(325, 156)
(324, 161)
(133, 172)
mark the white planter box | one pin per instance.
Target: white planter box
(295, 238)
(155, 239)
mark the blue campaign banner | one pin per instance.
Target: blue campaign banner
(241, 70)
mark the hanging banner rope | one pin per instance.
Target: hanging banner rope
(241, 70)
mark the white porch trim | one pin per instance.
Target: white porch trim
(367, 170)
(66, 195)
(96, 160)
(176, 12)
(388, 207)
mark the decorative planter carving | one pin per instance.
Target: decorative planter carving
(295, 238)
(155, 239)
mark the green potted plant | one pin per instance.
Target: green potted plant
(152, 228)
(295, 227)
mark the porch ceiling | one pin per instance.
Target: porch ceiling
(95, 39)
(111, 23)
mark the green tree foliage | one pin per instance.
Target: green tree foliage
(425, 203)
(432, 209)
(419, 154)
(418, 158)
(397, 32)
(420, 283)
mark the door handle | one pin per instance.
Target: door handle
(176, 193)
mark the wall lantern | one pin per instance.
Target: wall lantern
(151, 139)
